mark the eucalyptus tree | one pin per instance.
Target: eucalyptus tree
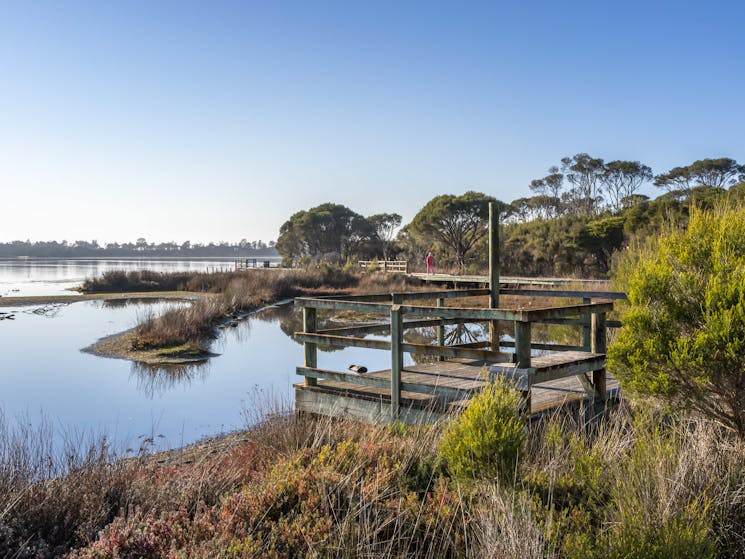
(329, 230)
(455, 223)
(385, 225)
(714, 173)
(621, 180)
(585, 174)
(549, 189)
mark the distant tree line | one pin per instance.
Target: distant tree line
(81, 249)
(580, 214)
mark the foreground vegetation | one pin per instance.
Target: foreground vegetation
(628, 485)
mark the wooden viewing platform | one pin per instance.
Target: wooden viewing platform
(547, 375)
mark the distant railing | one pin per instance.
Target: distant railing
(388, 266)
(245, 263)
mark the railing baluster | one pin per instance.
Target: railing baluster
(397, 359)
(310, 349)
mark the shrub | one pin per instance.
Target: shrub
(684, 331)
(486, 441)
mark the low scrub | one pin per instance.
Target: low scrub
(487, 440)
(298, 486)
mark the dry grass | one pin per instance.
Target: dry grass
(234, 293)
(296, 485)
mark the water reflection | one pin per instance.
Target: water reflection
(154, 381)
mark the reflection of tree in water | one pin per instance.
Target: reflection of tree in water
(455, 334)
(291, 321)
(157, 380)
(121, 303)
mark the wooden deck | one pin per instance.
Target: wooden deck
(433, 390)
(426, 392)
(503, 280)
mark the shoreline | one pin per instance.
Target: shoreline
(119, 345)
(31, 300)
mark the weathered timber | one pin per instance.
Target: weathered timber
(599, 346)
(342, 341)
(397, 359)
(447, 388)
(406, 296)
(341, 305)
(568, 294)
(522, 315)
(310, 349)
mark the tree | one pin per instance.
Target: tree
(683, 337)
(549, 188)
(457, 223)
(621, 180)
(328, 230)
(585, 174)
(385, 225)
(715, 173)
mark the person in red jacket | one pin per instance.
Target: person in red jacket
(430, 263)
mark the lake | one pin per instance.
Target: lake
(44, 374)
(49, 276)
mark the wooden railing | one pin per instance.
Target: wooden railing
(388, 266)
(245, 263)
(397, 316)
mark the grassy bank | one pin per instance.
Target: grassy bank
(186, 333)
(296, 486)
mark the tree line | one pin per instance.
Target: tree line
(80, 249)
(579, 215)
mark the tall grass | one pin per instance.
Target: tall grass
(629, 485)
(231, 294)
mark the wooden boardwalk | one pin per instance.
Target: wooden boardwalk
(503, 280)
(432, 391)
(547, 375)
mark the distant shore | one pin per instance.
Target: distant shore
(31, 300)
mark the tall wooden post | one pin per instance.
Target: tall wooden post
(586, 328)
(522, 361)
(493, 273)
(310, 349)
(599, 343)
(397, 360)
(441, 329)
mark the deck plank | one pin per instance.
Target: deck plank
(468, 376)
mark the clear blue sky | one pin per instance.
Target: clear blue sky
(218, 120)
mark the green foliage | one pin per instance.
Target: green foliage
(714, 173)
(684, 330)
(488, 438)
(455, 223)
(329, 230)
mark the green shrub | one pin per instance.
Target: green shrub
(684, 332)
(486, 441)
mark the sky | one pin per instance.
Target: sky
(216, 121)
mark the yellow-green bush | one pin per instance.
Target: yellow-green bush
(487, 440)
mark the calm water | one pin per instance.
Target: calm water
(57, 277)
(44, 373)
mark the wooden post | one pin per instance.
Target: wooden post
(599, 342)
(522, 360)
(586, 317)
(310, 349)
(397, 360)
(493, 273)
(441, 329)
(385, 266)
